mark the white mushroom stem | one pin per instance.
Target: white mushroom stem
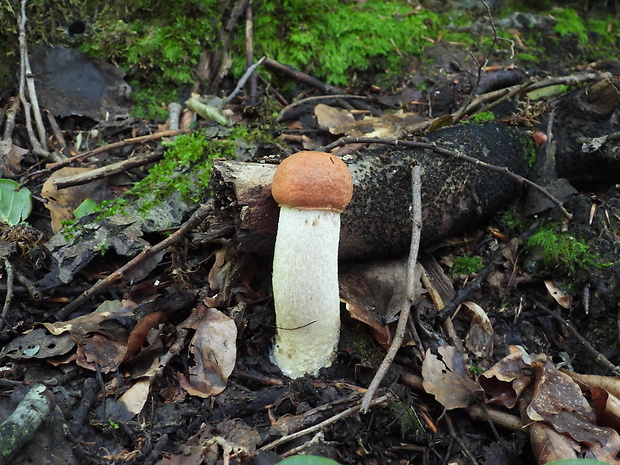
(305, 290)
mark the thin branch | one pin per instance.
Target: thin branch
(409, 295)
(116, 145)
(105, 171)
(37, 147)
(244, 79)
(461, 111)
(9, 291)
(598, 357)
(345, 414)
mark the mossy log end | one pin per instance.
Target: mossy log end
(456, 195)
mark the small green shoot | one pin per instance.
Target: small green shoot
(85, 208)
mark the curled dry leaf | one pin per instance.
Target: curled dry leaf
(548, 445)
(446, 378)
(563, 299)
(101, 335)
(213, 349)
(607, 408)
(373, 293)
(479, 339)
(505, 381)
(562, 422)
(330, 117)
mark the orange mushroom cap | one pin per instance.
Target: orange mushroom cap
(313, 181)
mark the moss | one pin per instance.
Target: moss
(570, 22)
(188, 153)
(407, 419)
(514, 220)
(466, 264)
(481, 117)
(562, 251)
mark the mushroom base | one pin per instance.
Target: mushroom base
(305, 290)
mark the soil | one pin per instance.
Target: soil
(89, 421)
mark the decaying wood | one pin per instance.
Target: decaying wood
(23, 423)
(377, 223)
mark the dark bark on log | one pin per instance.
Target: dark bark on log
(455, 195)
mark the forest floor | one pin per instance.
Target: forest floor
(174, 366)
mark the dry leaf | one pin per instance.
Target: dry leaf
(330, 117)
(61, 203)
(479, 339)
(446, 378)
(549, 445)
(504, 382)
(563, 299)
(213, 349)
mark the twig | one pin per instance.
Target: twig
(345, 414)
(598, 357)
(9, 291)
(9, 124)
(313, 82)
(23, 423)
(298, 103)
(244, 79)
(193, 221)
(249, 55)
(452, 428)
(31, 286)
(37, 147)
(409, 295)
(464, 294)
(63, 151)
(450, 153)
(105, 171)
(106, 148)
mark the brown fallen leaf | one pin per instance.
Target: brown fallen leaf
(446, 378)
(479, 339)
(505, 381)
(61, 203)
(549, 446)
(330, 117)
(213, 349)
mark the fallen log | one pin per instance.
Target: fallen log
(456, 195)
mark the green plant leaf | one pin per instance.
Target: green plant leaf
(307, 460)
(15, 202)
(578, 462)
(86, 207)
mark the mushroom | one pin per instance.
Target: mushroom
(312, 189)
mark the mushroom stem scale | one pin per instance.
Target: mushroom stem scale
(305, 289)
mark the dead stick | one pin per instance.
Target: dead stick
(105, 171)
(29, 80)
(116, 145)
(345, 414)
(9, 291)
(313, 82)
(598, 357)
(450, 153)
(100, 285)
(409, 296)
